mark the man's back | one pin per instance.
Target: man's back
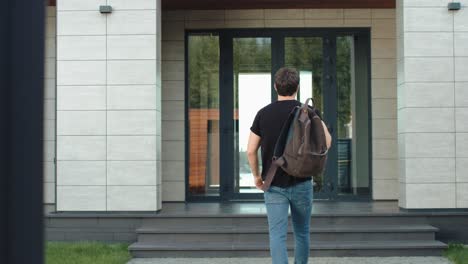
(267, 125)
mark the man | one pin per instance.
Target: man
(285, 190)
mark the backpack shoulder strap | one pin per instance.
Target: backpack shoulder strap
(277, 162)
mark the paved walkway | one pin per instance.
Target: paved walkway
(322, 260)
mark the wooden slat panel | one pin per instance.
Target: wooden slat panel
(52, 2)
(274, 4)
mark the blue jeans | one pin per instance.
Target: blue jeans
(277, 201)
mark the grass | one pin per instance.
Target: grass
(457, 253)
(86, 253)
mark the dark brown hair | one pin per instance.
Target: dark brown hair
(286, 81)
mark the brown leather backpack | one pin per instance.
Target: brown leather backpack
(301, 149)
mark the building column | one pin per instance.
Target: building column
(432, 104)
(108, 106)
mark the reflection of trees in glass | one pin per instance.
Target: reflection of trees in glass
(343, 75)
(254, 55)
(306, 54)
(203, 71)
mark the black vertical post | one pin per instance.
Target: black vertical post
(226, 115)
(21, 120)
(277, 60)
(330, 113)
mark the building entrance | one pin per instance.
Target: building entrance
(230, 77)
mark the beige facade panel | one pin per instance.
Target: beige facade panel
(429, 69)
(384, 169)
(320, 14)
(430, 195)
(384, 88)
(81, 173)
(173, 90)
(461, 68)
(49, 193)
(462, 145)
(462, 195)
(173, 191)
(385, 128)
(131, 148)
(384, 149)
(49, 88)
(435, 19)
(81, 97)
(81, 23)
(385, 189)
(383, 28)
(422, 120)
(384, 108)
(131, 173)
(131, 47)
(81, 72)
(81, 123)
(432, 94)
(461, 119)
(81, 198)
(437, 44)
(461, 90)
(132, 22)
(49, 129)
(173, 171)
(49, 150)
(173, 130)
(131, 97)
(428, 145)
(429, 170)
(284, 14)
(48, 170)
(81, 148)
(81, 48)
(252, 14)
(131, 198)
(80, 5)
(462, 169)
(130, 72)
(134, 4)
(135, 122)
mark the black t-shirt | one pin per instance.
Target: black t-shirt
(267, 125)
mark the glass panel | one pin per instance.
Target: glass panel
(252, 91)
(350, 181)
(203, 59)
(306, 55)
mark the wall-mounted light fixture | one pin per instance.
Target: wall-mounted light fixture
(454, 6)
(105, 9)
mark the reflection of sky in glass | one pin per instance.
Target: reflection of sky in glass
(306, 86)
(254, 94)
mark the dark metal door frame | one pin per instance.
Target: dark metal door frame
(226, 37)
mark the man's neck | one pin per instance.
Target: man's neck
(284, 98)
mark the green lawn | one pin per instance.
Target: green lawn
(86, 253)
(457, 253)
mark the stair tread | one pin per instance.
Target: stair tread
(264, 229)
(195, 246)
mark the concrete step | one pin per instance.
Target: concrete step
(259, 220)
(252, 249)
(260, 233)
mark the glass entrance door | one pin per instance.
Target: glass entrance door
(231, 77)
(252, 91)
